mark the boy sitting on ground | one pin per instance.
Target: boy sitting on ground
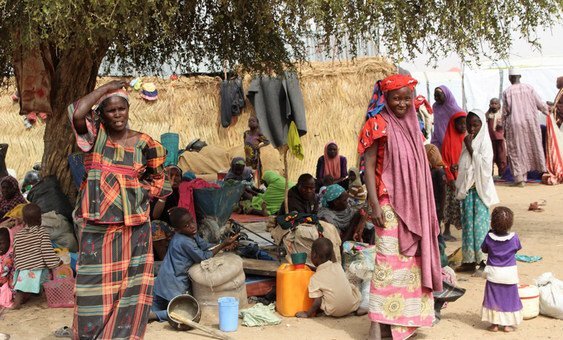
(329, 287)
(185, 249)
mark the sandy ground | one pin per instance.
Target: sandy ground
(540, 234)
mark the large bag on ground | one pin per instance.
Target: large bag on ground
(210, 160)
(551, 295)
(60, 230)
(216, 270)
(47, 194)
(219, 276)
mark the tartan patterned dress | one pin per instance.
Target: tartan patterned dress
(114, 281)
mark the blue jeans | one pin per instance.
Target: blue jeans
(159, 307)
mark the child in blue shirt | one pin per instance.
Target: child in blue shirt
(185, 249)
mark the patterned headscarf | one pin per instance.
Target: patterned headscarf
(117, 93)
(332, 192)
(8, 204)
(393, 82)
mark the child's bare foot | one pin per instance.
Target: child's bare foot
(361, 311)
(493, 328)
(153, 317)
(19, 299)
(302, 315)
(508, 329)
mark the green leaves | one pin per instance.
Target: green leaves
(267, 36)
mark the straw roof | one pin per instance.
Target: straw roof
(336, 95)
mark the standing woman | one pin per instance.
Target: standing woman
(114, 281)
(444, 108)
(407, 266)
(451, 150)
(476, 190)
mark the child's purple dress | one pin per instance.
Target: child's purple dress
(501, 305)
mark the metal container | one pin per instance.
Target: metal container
(187, 306)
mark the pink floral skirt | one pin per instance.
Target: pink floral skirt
(397, 297)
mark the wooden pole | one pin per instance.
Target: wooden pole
(286, 175)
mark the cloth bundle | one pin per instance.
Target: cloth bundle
(260, 315)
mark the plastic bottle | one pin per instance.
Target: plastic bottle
(292, 293)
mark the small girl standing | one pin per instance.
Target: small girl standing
(33, 255)
(254, 140)
(476, 189)
(501, 305)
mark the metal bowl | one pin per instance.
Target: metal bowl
(185, 305)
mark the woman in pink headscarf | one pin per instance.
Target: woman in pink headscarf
(332, 164)
(407, 266)
(444, 108)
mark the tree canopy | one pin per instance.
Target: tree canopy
(265, 35)
(73, 37)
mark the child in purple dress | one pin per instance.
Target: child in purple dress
(501, 305)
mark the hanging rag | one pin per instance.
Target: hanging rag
(294, 142)
(34, 72)
(260, 315)
(278, 101)
(232, 100)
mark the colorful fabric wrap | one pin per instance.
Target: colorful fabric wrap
(292, 220)
(117, 93)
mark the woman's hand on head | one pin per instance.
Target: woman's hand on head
(116, 85)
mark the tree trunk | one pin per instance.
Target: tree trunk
(75, 75)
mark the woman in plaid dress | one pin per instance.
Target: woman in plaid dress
(124, 170)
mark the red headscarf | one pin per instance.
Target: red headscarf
(393, 82)
(420, 100)
(397, 81)
(451, 146)
(332, 166)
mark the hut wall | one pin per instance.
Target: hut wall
(336, 95)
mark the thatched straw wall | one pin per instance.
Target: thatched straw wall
(336, 96)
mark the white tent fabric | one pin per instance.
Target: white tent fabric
(474, 87)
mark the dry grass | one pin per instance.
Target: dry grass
(336, 95)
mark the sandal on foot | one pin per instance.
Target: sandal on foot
(63, 332)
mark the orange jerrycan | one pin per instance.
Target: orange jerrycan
(292, 293)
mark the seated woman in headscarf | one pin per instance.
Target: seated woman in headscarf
(160, 214)
(331, 163)
(241, 173)
(301, 198)
(336, 210)
(10, 197)
(269, 202)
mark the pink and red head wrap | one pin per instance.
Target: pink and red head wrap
(393, 82)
